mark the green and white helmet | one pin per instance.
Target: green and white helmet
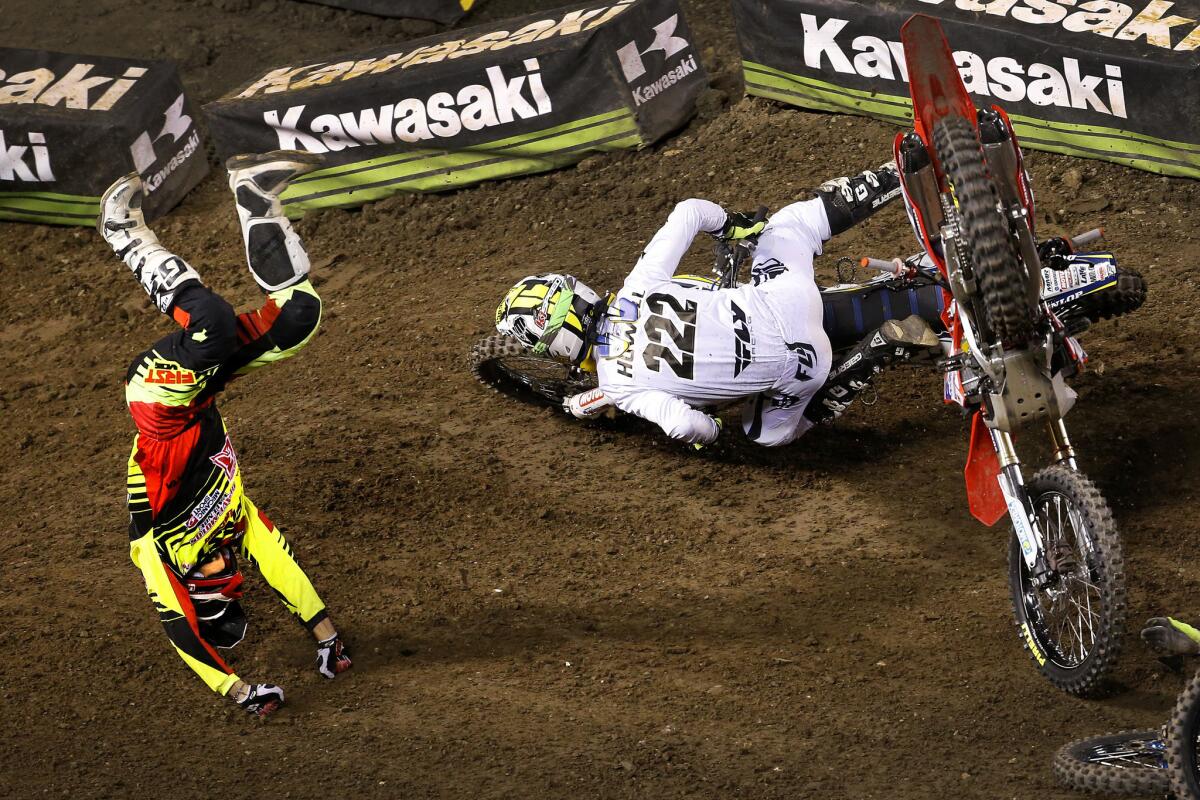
(550, 313)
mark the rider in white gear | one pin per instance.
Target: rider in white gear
(668, 349)
(672, 348)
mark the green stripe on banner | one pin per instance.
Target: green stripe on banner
(1089, 141)
(422, 170)
(49, 207)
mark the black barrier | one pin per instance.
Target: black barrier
(515, 97)
(446, 12)
(1104, 80)
(70, 125)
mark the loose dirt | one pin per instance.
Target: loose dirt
(539, 608)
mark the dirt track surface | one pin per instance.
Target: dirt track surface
(538, 608)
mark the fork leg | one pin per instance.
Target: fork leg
(1064, 453)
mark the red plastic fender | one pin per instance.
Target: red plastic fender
(982, 471)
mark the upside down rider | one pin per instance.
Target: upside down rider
(664, 349)
(190, 521)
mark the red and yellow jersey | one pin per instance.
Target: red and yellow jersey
(184, 485)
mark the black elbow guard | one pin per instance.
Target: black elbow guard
(851, 200)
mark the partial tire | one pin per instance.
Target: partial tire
(1071, 621)
(1183, 743)
(1126, 763)
(1002, 280)
(509, 367)
(1128, 295)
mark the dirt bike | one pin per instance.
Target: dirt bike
(1142, 762)
(1009, 325)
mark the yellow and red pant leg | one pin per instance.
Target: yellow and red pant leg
(264, 546)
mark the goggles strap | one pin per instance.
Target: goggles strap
(566, 295)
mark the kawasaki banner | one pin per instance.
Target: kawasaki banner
(70, 125)
(515, 97)
(443, 11)
(1108, 80)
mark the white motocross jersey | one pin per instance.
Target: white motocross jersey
(671, 346)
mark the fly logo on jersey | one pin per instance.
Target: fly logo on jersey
(743, 353)
(806, 355)
(169, 373)
(226, 459)
(766, 270)
(15, 164)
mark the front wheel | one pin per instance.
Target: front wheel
(1183, 743)
(1071, 618)
(1126, 763)
(508, 366)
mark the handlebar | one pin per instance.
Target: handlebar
(895, 266)
(1087, 237)
(729, 259)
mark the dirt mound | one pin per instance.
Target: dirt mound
(819, 621)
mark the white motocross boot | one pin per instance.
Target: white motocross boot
(276, 256)
(160, 272)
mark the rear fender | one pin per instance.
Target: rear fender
(935, 85)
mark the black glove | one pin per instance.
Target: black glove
(740, 226)
(260, 699)
(1171, 636)
(1055, 253)
(332, 657)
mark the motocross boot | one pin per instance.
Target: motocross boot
(121, 223)
(849, 201)
(893, 342)
(274, 253)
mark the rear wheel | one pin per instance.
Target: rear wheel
(1128, 295)
(1126, 763)
(1071, 619)
(985, 233)
(1183, 743)
(508, 366)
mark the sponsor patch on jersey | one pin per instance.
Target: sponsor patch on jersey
(226, 459)
(169, 373)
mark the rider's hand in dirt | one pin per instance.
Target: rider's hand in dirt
(259, 699)
(332, 657)
(698, 446)
(741, 226)
(1171, 636)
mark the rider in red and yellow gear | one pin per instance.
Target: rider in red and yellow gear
(190, 520)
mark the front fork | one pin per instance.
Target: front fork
(1020, 507)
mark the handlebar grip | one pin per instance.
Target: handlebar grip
(760, 214)
(1087, 237)
(895, 266)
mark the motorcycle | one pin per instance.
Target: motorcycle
(1008, 324)
(1151, 762)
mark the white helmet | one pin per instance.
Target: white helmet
(551, 314)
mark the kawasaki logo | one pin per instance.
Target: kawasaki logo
(1108, 19)
(666, 42)
(1063, 85)
(321, 73)
(441, 115)
(176, 125)
(15, 162)
(72, 90)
